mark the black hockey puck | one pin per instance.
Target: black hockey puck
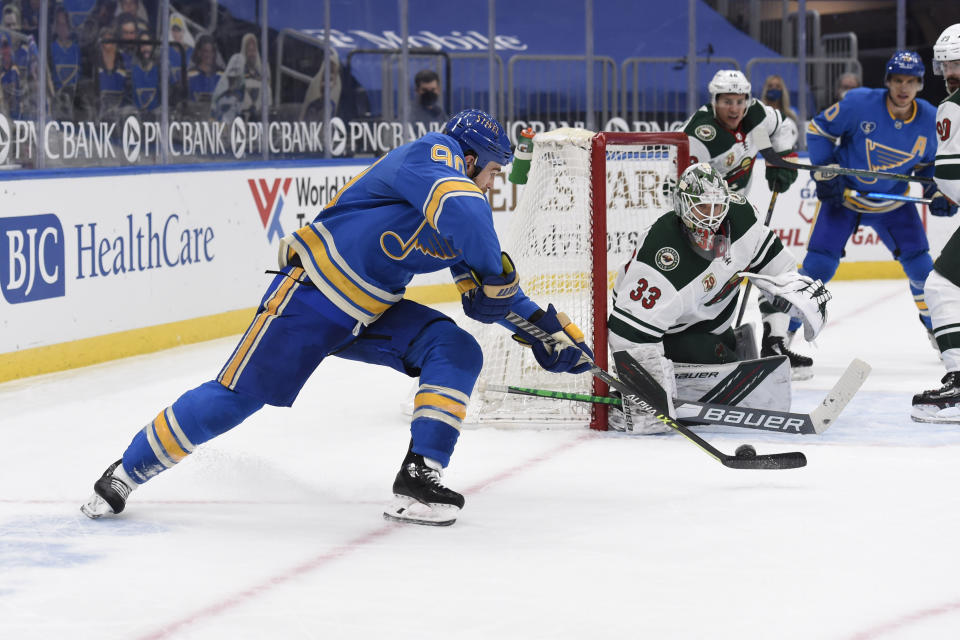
(746, 451)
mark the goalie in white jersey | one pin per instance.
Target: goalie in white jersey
(675, 300)
(942, 288)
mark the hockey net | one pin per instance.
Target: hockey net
(582, 187)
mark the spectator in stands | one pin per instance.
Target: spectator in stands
(30, 19)
(129, 33)
(427, 106)
(202, 78)
(179, 55)
(81, 10)
(11, 17)
(845, 82)
(10, 81)
(317, 93)
(238, 92)
(113, 83)
(145, 79)
(137, 10)
(776, 95)
(64, 64)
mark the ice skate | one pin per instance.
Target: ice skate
(420, 498)
(939, 405)
(110, 492)
(801, 367)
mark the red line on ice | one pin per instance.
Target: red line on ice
(242, 597)
(907, 620)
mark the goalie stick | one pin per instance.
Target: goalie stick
(813, 423)
(652, 399)
(746, 290)
(772, 158)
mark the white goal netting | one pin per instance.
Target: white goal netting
(553, 241)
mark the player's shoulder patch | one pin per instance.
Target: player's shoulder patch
(737, 198)
(667, 259)
(705, 132)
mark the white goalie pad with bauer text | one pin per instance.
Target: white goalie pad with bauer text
(755, 384)
(806, 299)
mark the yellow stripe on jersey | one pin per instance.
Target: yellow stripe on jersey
(442, 404)
(228, 377)
(170, 446)
(437, 401)
(349, 184)
(817, 131)
(334, 274)
(443, 189)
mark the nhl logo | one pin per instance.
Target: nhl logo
(667, 259)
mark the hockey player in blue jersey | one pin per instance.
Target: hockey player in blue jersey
(888, 130)
(419, 209)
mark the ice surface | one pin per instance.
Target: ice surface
(275, 529)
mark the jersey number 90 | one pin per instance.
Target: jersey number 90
(441, 153)
(943, 129)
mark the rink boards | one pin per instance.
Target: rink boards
(103, 264)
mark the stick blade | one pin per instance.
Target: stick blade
(791, 460)
(840, 395)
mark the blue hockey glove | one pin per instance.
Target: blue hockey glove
(489, 299)
(829, 188)
(940, 205)
(565, 359)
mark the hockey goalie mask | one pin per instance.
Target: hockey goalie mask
(702, 200)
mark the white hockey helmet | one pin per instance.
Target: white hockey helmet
(728, 81)
(947, 47)
(701, 184)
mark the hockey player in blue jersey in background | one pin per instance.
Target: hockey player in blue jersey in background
(419, 209)
(889, 130)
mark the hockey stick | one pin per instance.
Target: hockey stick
(709, 413)
(652, 400)
(887, 196)
(772, 158)
(746, 290)
(815, 422)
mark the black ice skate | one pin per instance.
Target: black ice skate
(801, 367)
(110, 492)
(939, 405)
(420, 498)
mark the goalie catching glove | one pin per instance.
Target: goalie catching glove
(568, 359)
(803, 298)
(488, 299)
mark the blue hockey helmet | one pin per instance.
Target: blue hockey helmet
(905, 63)
(480, 134)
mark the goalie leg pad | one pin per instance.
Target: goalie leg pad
(762, 383)
(650, 356)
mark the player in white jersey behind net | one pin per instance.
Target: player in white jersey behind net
(727, 133)
(675, 300)
(942, 288)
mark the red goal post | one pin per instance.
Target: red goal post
(601, 285)
(587, 199)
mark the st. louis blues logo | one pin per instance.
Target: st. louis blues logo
(269, 201)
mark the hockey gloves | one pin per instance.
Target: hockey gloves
(940, 205)
(829, 189)
(566, 359)
(488, 299)
(779, 179)
(802, 297)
